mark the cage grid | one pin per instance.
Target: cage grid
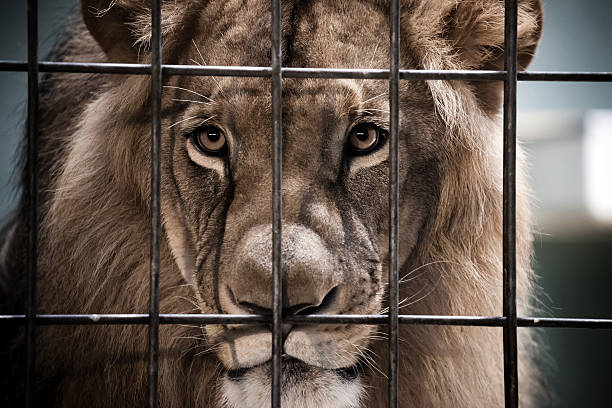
(509, 320)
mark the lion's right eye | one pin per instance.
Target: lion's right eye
(209, 139)
(365, 138)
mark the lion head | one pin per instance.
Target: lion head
(217, 212)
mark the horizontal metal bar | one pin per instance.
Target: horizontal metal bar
(567, 323)
(329, 73)
(491, 321)
(403, 319)
(405, 74)
(79, 67)
(471, 75)
(209, 70)
(95, 68)
(100, 319)
(335, 73)
(13, 66)
(565, 76)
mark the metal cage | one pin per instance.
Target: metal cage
(509, 321)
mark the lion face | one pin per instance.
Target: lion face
(217, 212)
(218, 184)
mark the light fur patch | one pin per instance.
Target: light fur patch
(210, 162)
(323, 390)
(369, 160)
(180, 243)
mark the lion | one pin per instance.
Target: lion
(216, 208)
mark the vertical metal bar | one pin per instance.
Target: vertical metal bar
(277, 203)
(509, 207)
(32, 170)
(394, 34)
(156, 87)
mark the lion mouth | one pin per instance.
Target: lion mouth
(331, 348)
(296, 370)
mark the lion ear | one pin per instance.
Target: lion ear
(475, 29)
(109, 21)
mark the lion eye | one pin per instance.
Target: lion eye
(209, 139)
(365, 138)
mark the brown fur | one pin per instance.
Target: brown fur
(95, 193)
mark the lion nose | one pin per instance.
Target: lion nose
(311, 276)
(299, 309)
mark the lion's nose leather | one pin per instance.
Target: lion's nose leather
(310, 272)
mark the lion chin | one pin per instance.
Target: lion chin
(303, 385)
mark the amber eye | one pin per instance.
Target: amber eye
(365, 138)
(209, 139)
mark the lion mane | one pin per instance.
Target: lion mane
(94, 215)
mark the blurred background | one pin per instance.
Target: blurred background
(566, 130)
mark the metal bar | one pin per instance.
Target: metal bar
(95, 68)
(394, 78)
(277, 204)
(239, 71)
(328, 73)
(156, 90)
(432, 320)
(335, 73)
(32, 204)
(475, 75)
(509, 207)
(402, 319)
(565, 323)
(565, 76)
(13, 66)
(404, 74)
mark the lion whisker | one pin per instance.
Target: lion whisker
(369, 110)
(198, 50)
(412, 278)
(368, 360)
(179, 286)
(403, 278)
(192, 101)
(190, 311)
(193, 302)
(208, 350)
(212, 76)
(182, 120)
(190, 91)
(376, 338)
(205, 120)
(370, 63)
(367, 349)
(401, 305)
(372, 98)
(193, 326)
(194, 347)
(202, 337)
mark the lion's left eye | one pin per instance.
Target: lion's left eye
(366, 137)
(209, 139)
